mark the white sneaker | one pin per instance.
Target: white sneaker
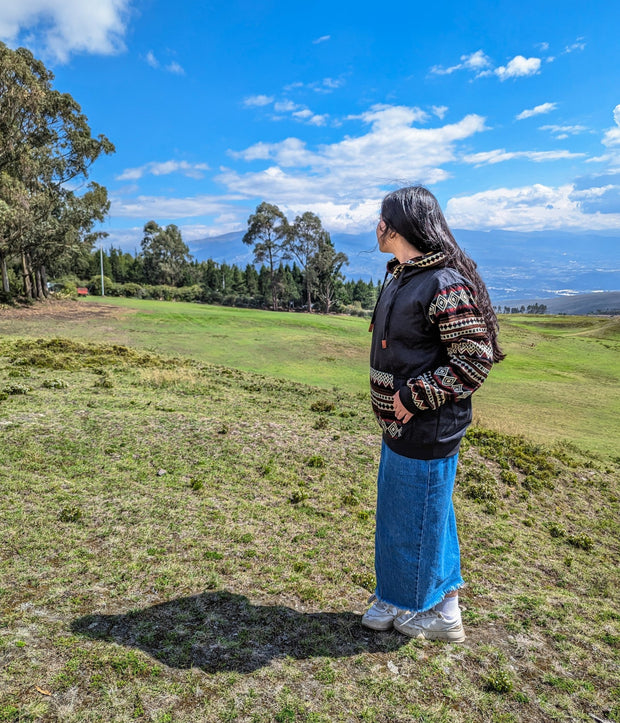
(430, 625)
(381, 615)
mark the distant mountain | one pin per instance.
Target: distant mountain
(580, 304)
(515, 265)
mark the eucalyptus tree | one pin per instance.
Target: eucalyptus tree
(306, 235)
(165, 255)
(45, 143)
(327, 264)
(267, 232)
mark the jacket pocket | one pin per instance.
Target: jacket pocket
(445, 424)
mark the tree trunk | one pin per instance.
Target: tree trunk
(308, 297)
(26, 275)
(39, 284)
(44, 281)
(5, 274)
(272, 277)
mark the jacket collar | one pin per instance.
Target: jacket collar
(433, 258)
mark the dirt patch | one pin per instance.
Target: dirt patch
(63, 310)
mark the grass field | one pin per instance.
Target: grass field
(188, 541)
(561, 380)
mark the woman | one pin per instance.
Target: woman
(434, 342)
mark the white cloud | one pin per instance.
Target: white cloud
(154, 168)
(257, 101)
(528, 208)
(440, 111)
(293, 86)
(611, 140)
(151, 59)
(161, 207)
(329, 84)
(481, 65)
(322, 39)
(174, 67)
(347, 178)
(564, 131)
(537, 110)
(326, 85)
(286, 106)
(518, 67)
(612, 136)
(63, 27)
(500, 155)
(577, 45)
(474, 61)
(543, 46)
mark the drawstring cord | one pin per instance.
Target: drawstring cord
(388, 316)
(389, 311)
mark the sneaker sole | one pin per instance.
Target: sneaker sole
(377, 624)
(448, 636)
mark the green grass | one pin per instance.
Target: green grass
(185, 543)
(561, 380)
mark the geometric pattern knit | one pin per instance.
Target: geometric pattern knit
(464, 334)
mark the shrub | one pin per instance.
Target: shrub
(508, 477)
(582, 541)
(55, 384)
(351, 498)
(498, 682)
(16, 389)
(479, 484)
(104, 382)
(556, 530)
(70, 514)
(94, 285)
(365, 580)
(322, 405)
(132, 291)
(315, 461)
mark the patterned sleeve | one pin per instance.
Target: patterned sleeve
(463, 332)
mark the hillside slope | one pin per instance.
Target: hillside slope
(189, 542)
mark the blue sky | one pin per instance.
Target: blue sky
(508, 111)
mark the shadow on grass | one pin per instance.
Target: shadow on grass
(221, 631)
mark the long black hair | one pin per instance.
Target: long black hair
(414, 213)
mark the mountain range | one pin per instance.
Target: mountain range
(515, 265)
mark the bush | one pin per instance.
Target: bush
(583, 542)
(189, 293)
(131, 291)
(322, 405)
(94, 285)
(16, 389)
(498, 682)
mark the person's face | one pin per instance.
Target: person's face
(382, 234)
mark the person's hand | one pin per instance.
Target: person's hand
(400, 410)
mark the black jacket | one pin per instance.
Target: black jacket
(431, 344)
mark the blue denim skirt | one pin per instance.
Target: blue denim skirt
(417, 556)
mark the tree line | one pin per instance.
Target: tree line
(529, 309)
(49, 212)
(163, 268)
